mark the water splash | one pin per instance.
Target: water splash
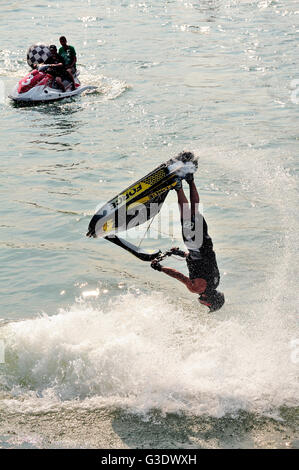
(143, 352)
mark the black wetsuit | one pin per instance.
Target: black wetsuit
(56, 71)
(201, 260)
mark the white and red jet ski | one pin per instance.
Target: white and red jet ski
(38, 86)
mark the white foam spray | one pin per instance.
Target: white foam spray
(144, 352)
(182, 169)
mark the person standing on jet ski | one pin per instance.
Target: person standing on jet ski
(57, 68)
(68, 54)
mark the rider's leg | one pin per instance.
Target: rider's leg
(183, 204)
(59, 83)
(71, 76)
(194, 198)
(185, 215)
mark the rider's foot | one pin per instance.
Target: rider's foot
(190, 165)
(189, 178)
(178, 185)
(186, 157)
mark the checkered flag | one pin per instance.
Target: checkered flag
(37, 54)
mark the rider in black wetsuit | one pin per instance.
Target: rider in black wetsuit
(201, 259)
(57, 68)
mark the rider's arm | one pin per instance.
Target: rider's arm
(196, 286)
(61, 60)
(176, 251)
(74, 59)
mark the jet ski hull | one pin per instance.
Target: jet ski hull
(40, 87)
(46, 95)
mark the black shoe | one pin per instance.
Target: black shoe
(189, 178)
(186, 157)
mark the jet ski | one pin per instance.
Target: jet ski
(39, 86)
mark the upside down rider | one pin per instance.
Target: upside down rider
(201, 261)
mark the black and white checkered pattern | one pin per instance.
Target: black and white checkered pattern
(37, 54)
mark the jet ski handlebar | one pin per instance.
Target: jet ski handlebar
(173, 251)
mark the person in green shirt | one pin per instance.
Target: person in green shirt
(68, 54)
